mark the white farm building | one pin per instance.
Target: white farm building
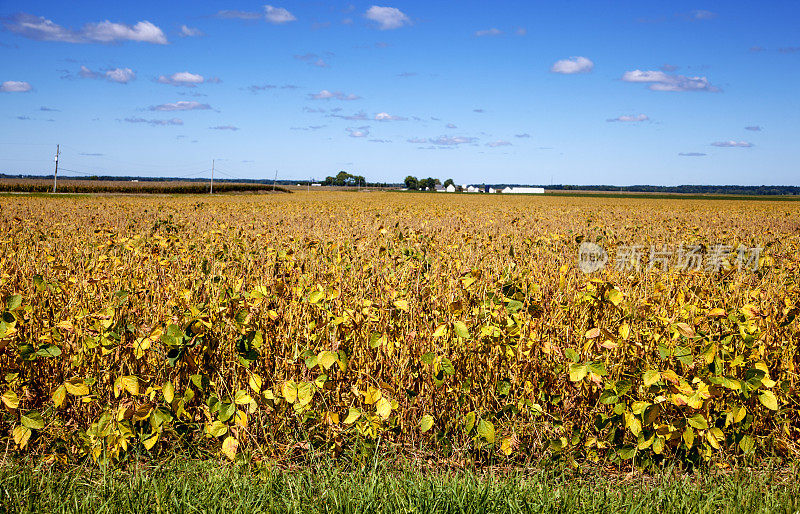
(524, 190)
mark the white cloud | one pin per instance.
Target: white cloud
(499, 142)
(183, 105)
(385, 116)
(572, 65)
(277, 15)
(157, 123)
(692, 154)
(660, 81)
(86, 73)
(336, 95)
(525, 135)
(42, 29)
(120, 75)
(638, 117)
(240, 15)
(357, 132)
(451, 125)
(190, 32)
(387, 18)
(451, 140)
(417, 140)
(488, 32)
(225, 127)
(183, 78)
(732, 144)
(15, 86)
(702, 14)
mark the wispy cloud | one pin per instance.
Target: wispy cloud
(387, 18)
(488, 32)
(628, 118)
(190, 32)
(380, 140)
(753, 128)
(182, 78)
(479, 111)
(661, 81)
(385, 116)
(15, 86)
(692, 154)
(156, 123)
(451, 126)
(313, 60)
(255, 88)
(572, 65)
(85, 154)
(359, 116)
(358, 132)
(336, 95)
(698, 15)
(182, 105)
(274, 15)
(417, 140)
(43, 29)
(48, 109)
(499, 142)
(451, 140)
(789, 49)
(525, 135)
(225, 127)
(309, 127)
(732, 144)
(120, 75)
(277, 15)
(407, 74)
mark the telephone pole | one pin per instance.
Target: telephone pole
(211, 192)
(55, 174)
(275, 180)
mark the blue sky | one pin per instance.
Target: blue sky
(577, 92)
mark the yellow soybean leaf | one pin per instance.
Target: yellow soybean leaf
(716, 312)
(372, 395)
(402, 305)
(76, 387)
(685, 330)
(217, 428)
(577, 372)
(168, 390)
(768, 400)
(440, 331)
(230, 446)
(383, 408)
(461, 329)
(21, 435)
(10, 400)
(289, 391)
(326, 359)
(426, 423)
(240, 418)
(255, 383)
(150, 441)
(592, 333)
(305, 392)
(352, 416)
(242, 398)
(739, 413)
(688, 437)
(507, 446)
(130, 384)
(59, 395)
(624, 331)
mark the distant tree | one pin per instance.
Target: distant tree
(411, 182)
(430, 184)
(449, 182)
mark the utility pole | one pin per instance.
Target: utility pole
(274, 181)
(55, 174)
(212, 177)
